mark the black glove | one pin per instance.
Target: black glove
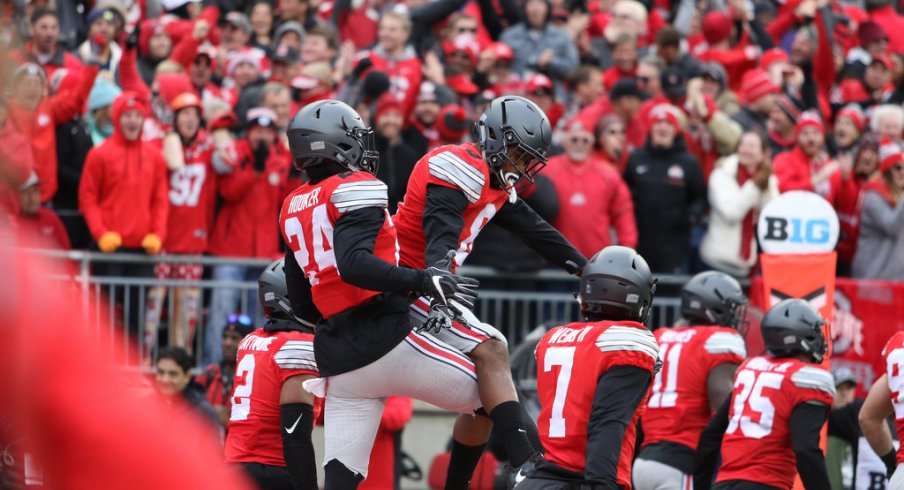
(438, 318)
(261, 154)
(132, 40)
(445, 287)
(361, 67)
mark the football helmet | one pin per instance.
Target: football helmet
(714, 298)
(330, 131)
(617, 284)
(513, 130)
(793, 325)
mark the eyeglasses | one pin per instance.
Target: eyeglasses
(240, 319)
(583, 140)
(463, 30)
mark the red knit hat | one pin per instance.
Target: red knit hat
(665, 112)
(538, 82)
(716, 27)
(855, 114)
(387, 102)
(757, 84)
(809, 118)
(462, 44)
(502, 51)
(890, 153)
(774, 55)
(452, 123)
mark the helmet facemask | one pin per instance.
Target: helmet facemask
(515, 162)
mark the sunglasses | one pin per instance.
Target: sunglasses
(240, 319)
(580, 140)
(643, 79)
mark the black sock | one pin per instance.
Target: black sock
(338, 477)
(461, 465)
(510, 427)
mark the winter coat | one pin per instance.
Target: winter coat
(750, 120)
(39, 126)
(16, 164)
(124, 187)
(247, 224)
(880, 249)
(729, 204)
(795, 169)
(528, 47)
(592, 199)
(669, 194)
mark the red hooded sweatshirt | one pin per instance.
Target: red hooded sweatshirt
(247, 224)
(39, 126)
(795, 169)
(124, 187)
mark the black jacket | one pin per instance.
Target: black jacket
(669, 196)
(396, 164)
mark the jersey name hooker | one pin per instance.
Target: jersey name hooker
(766, 390)
(307, 220)
(265, 361)
(679, 407)
(459, 167)
(570, 361)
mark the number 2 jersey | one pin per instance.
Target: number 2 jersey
(460, 167)
(757, 443)
(570, 361)
(893, 353)
(679, 406)
(265, 361)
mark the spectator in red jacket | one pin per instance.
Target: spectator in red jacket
(43, 48)
(16, 164)
(782, 121)
(717, 30)
(39, 226)
(807, 167)
(36, 116)
(246, 225)
(624, 60)
(381, 470)
(589, 187)
(395, 57)
(123, 195)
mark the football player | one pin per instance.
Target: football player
(453, 192)
(776, 411)
(699, 360)
(272, 415)
(594, 378)
(883, 400)
(342, 261)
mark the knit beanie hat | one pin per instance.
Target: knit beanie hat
(102, 94)
(890, 153)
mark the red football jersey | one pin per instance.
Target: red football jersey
(265, 362)
(766, 390)
(570, 361)
(679, 409)
(306, 221)
(192, 192)
(893, 353)
(460, 167)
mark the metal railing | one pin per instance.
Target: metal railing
(514, 303)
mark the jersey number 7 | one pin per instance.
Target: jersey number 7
(563, 357)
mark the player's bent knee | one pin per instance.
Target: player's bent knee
(491, 352)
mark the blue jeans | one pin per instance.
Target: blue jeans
(225, 301)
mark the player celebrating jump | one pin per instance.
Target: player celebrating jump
(699, 360)
(453, 192)
(594, 378)
(342, 262)
(272, 415)
(776, 411)
(884, 400)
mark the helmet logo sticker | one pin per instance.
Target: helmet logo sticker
(269, 296)
(790, 339)
(317, 145)
(632, 298)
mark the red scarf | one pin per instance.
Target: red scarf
(749, 219)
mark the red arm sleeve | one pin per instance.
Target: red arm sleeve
(234, 187)
(159, 198)
(88, 190)
(823, 62)
(790, 177)
(185, 51)
(66, 105)
(129, 78)
(784, 21)
(622, 215)
(396, 413)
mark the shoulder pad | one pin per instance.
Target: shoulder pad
(726, 343)
(351, 196)
(450, 168)
(618, 338)
(814, 378)
(296, 354)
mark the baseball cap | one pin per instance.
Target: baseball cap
(843, 374)
(539, 82)
(239, 20)
(673, 83)
(626, 87)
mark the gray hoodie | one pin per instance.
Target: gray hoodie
(880, 249)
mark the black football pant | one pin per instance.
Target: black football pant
(268, 477)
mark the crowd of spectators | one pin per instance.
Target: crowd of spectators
(158, 126)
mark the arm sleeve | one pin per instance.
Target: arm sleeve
(160, 199)
(354, 237)
(843, 422)
(824, 61)
(708, 448)
(67, 104)
(129, 78)
(760, 36)
(428, 14)
(443, 221)
(298, 449)
(234, 187)
(299, 288)
(565, 60)
(185, 51)
(544, 199)
(539, 235)
(806, 424)
(619, 392)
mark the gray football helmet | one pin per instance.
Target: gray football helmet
(330, 131)
(514, 130)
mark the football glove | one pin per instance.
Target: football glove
(444, 286)
(439, 317)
